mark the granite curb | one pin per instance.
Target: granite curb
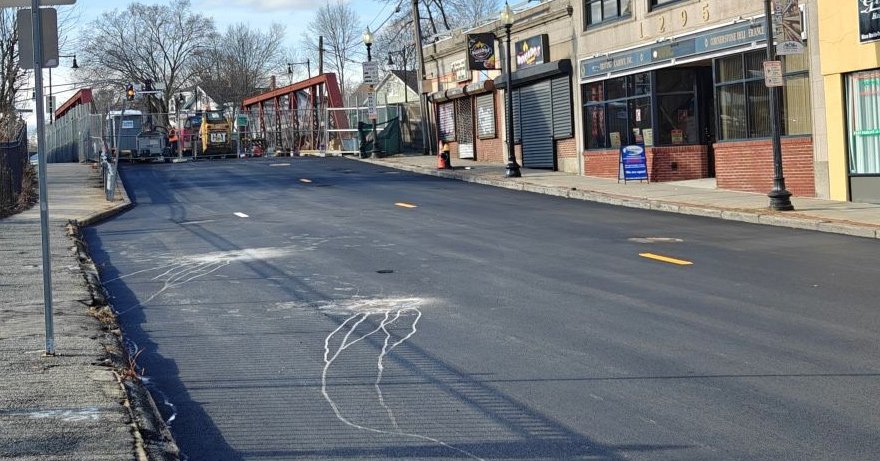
(764, 217)
(154, 439)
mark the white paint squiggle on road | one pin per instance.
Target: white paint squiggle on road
(389, 311)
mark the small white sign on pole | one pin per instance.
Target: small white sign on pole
(371, 72)
(372, 114)
(773, 74)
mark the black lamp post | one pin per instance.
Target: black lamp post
(780, 198)
(512, 170)
(368, 40)
(290, 69)
(74, 66)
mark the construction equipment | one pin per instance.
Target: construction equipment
(152, 144)
(207, 134)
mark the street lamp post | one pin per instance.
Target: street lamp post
(780, 198)
(512, 169)
(290, 69)
(74, 66)
(368, 41)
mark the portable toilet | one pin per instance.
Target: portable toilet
(124, 129)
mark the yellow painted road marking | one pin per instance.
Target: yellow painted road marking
(666, 259)
(405, 205)
(305, 180)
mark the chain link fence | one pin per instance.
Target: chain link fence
(14, 166)
(358, 136)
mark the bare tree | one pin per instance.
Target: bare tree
(338, 23)
(437, 17)
(147, 42)
(13, 79)
(238, 62)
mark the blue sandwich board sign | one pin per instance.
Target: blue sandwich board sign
(633, 163)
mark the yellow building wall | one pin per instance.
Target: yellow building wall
(840, 52)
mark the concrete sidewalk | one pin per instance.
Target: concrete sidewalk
(72, 406)
(686, 197)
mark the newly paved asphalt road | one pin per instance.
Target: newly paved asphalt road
(330, 309)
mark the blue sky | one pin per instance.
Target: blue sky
(294, 14)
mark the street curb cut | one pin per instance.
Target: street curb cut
(767, 217)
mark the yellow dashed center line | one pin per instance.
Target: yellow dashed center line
(666, 259)
(305, 180)
(405, 205)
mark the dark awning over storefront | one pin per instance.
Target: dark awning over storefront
(462, 91)
(532, 74)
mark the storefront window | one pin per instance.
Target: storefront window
(729, 69)
(796, 115)
(731, 101)
(758, 104)
(677, 119)
(863, 122)
(596, 127)
(618, 111)
(676, 107)
(743, 100)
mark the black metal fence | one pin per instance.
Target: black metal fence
(13, 165)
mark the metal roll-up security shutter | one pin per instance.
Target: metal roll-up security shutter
(563, 126)
(486, 116)
(517, 138)
(446, 121)
(464, 127)
(536, 105)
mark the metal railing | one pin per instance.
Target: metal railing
(13, 165)
(68, 139)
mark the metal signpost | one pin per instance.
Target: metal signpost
(37, 37)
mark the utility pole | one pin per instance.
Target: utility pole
(320, 55)
(423, 100)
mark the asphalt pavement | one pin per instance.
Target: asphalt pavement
(698, 197)
(73, 405)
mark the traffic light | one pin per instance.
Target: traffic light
(129, 92)
(148, 85)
